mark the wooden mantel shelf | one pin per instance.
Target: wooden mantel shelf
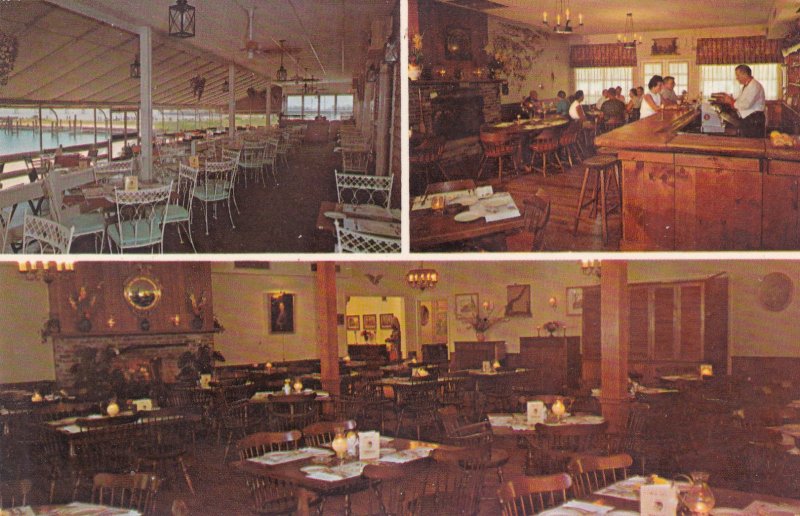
(453, 82)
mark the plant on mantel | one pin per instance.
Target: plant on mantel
(200, 361)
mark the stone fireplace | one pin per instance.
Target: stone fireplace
(458, 114)
(158, 354)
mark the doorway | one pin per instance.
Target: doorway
(431, 324)
(376, 320)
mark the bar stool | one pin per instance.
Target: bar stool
(498, 145)
(601, 168)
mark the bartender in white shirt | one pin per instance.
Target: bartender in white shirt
(749, 104)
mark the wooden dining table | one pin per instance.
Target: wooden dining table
(366, 218)
(433, 228)
(525, 129)
(516, 425)
(70, 509)
(308, 487)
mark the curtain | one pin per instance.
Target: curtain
(606, 55)
(730, 51)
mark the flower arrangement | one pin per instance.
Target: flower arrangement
(368, 335)
(553, 326)
(485, 318)
(415, 52)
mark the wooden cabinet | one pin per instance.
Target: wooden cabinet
(707, 219)
(556, 363)
(672, 325)
(781, 220)
(470, 355)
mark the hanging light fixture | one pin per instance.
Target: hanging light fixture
(629, 39)
(45, 270)
(282, 73)
(563, 18)
(226, 86)
(591, 267)
(181, 19)
(422, 278)
(136, 68)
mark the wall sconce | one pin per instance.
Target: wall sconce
(111, 322)
(176, 320)
(591, 267)
(553, 302)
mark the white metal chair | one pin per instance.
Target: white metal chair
(215, 185)
(140, 218)
(364, 189)
(10, 199)
(282, 151)
(271, 157)
(228, 155)
(57, 183)
(45, 236)
(349, 241)
(179, 208)
(251, 160)
(355, 160)
(114, 169)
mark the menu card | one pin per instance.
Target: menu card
(194, 161)
(131, 183)
(143, 404)
(658, 500)
(536, 412)
(369, 445)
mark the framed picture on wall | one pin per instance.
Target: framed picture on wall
(574, 300)
(386, 321)
(466, 306)
(518, 300)
(281, 312)
(353, 322)
(458, 44)
(370, 322)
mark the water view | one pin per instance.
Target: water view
(27, 140)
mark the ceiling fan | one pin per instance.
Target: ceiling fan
(253, 47)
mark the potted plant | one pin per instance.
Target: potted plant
(95, 377)
(484, 319)
(194, 364)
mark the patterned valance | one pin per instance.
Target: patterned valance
(606, 55)
(734, 51)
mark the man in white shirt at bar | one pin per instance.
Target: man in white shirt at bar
(749, 104)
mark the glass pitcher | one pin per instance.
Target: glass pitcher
(698, 498)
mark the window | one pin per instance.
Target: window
(679, 70)
(651, 69)
(333, 107)
(722, 78)
(594, 80)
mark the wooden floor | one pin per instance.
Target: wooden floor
(563, 189)
(274, 219)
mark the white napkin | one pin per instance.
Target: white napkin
(592, 508)
(327, 477)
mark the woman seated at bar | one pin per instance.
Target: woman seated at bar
(576, 109)
(634, 105)
(651, 103)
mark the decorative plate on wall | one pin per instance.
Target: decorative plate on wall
(775, 292)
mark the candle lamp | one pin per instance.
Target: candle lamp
(558, 409)
(298, 385)
(437, 203)
(112, 409)
(706, 370)
(496, 364)
(339, 444)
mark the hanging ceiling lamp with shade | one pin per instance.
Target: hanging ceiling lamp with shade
(629, 39)
(136, 68)
(422, 278)
(563, 18)
(181, 19)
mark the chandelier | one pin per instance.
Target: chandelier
(629, 39)
(422, 278)
(8, 55)
(591, 267)
(45, 270)
(564, 15)
(181, 19)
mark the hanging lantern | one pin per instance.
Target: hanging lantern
(136, 68)
(181, 19)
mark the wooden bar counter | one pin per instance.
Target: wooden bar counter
(700, 192)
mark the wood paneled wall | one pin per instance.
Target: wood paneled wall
(106, 281)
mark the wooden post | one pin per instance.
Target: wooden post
(614, 342)
(232, 100)
(327, 340)
(383, 125)
(268, 101)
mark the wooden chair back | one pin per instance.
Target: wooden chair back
(323, 432)
(546, 141)
(393, 485)
(255, 445)
(537, 215)
(450, 186)
(498, 144)
(555, 445)
(15, 493)
(531, 495)
(428, 152)
(127, 490)
(593, 472)
(569, 135)
(452, 484)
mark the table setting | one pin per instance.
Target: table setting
(71, 509)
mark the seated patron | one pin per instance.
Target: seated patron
(562, 106)
(651, 103)
(530, 104)
(602, 99)
(576, 109)
(613, 111)
(668, 95)
(634, 105)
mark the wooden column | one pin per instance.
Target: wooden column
(614, 342)
(232, 100)
(145, 119)
(327, 338)
(268, 101)
(383, 122)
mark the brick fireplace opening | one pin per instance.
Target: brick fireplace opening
(156, 354)
(458, 114)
